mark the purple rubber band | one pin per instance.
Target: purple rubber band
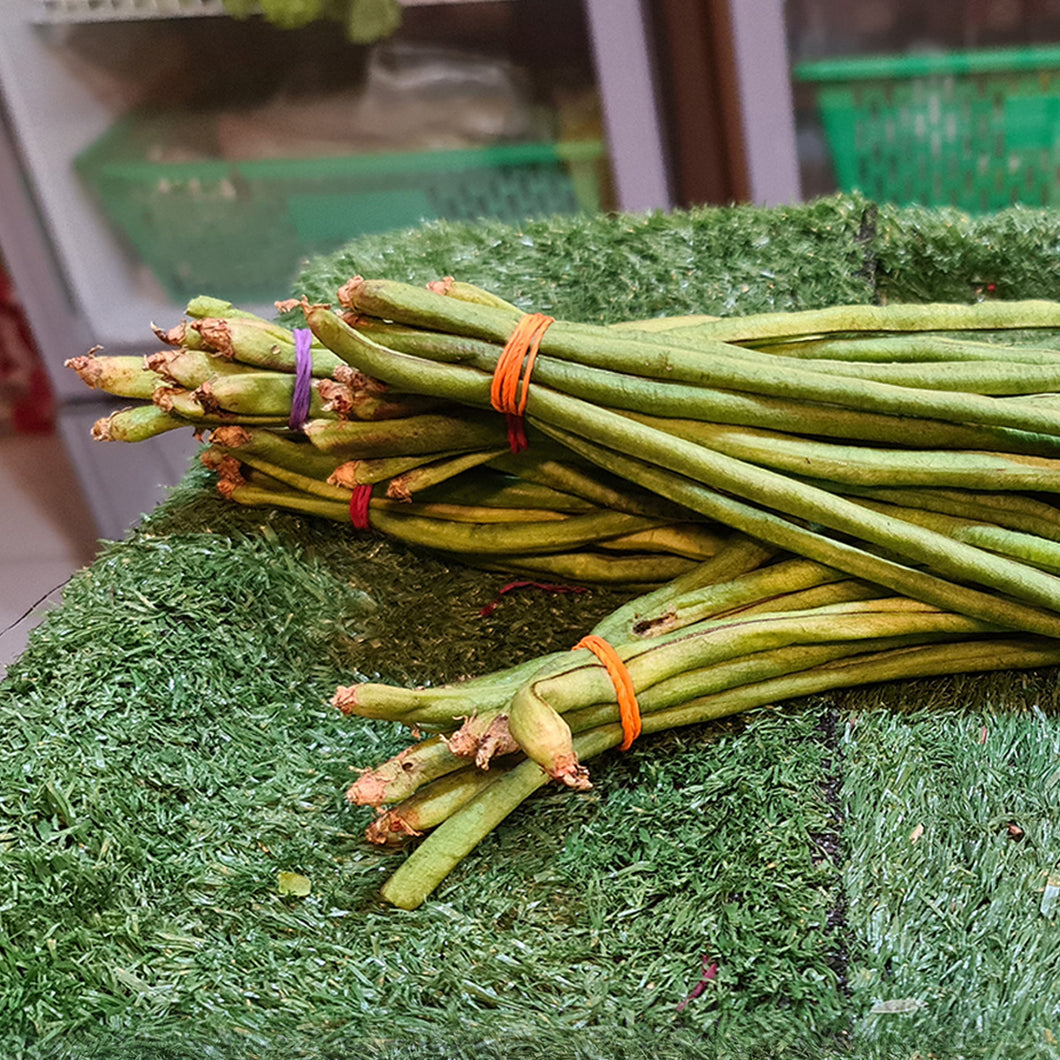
(303, 378)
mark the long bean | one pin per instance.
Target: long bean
(425, 475)
(487, 486)
(863, 465)
(691, 540)
(921, 348)
(709, 584)
(187, 405)
(432, 762)
(295, 480)
(561, 471)
(136, 424)
(484, 698)
(982, 368)
(930, 316)
(784, 494)
(998, 377)
(121, 375)
(254, 341)
(637, 573)
(428, 433)
(791, 414)
(893, 664)
(367, 472)
(398, 777)
(1015, 511)
(431, 805)
(276, 449)
(1029, 548)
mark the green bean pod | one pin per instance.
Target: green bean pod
(256, 342)
(136, 424)
(120, 375)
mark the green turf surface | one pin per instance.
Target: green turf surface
(944, 255)
(168, 750)
(603, 269)
(952, 800)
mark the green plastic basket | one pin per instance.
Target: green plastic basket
(977, 129)
(242, 229)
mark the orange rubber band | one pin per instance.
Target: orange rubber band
(626, 694)
(510, 388)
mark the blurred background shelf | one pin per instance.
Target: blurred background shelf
(79, 11)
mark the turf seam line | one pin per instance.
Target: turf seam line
(830, 847)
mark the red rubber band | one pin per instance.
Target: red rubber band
(710, 973)
(510, 388)
(360, 499)
(516, 432)
(625, 693)
(543, 586)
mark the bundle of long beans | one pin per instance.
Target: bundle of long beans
(882, 481)
(445, 476)
(695, 653)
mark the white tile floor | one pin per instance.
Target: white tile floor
(46, 533)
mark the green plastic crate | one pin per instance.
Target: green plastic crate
(240, 230)
(975, 129)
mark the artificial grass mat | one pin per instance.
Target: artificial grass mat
(871, 874)
(951, 801)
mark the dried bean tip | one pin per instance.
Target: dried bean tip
(345, 699)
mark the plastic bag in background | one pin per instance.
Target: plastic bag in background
(415, 98)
